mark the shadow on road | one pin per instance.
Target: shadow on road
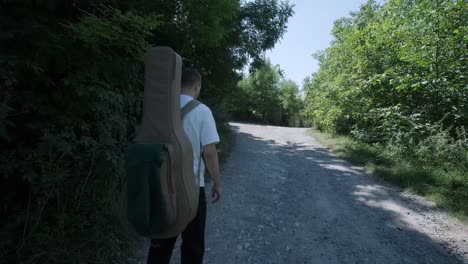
(324, 204)
(296, 202)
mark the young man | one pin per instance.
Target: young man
(200, 127)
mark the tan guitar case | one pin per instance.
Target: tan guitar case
(173, 186)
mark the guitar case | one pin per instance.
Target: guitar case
(160, 195)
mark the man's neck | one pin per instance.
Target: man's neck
(182, 92)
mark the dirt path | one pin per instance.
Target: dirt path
(289, 200)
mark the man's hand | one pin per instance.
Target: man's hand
(216, 192)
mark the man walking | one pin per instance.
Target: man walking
(200, 127)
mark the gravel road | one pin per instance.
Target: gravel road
(287, 199)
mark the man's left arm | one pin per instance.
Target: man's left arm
(208, 138)
(210, 154)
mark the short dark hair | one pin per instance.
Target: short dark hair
(189, 77)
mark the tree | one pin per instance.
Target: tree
(262, 90)
(219, 37)
(393, 68)
(291, 102)
(264, 96)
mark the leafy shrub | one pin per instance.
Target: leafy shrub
(392, 67)
(438, 150)
(72, 94)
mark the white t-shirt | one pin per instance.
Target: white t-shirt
(200, 127)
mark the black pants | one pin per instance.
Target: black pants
(193, 240)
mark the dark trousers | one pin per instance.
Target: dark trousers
(193, 240)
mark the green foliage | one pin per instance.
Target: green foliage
(218, 37)
(263, 87)
(393, 68)
(71, 81)
(291, 103)
(264, 23)
(263, 96)
(435, 166)
(439, 149)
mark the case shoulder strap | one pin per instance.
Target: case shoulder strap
(183, 112)
(189, 107)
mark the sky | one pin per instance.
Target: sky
(308, 31)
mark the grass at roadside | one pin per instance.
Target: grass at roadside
(448, 188)
(228, 140)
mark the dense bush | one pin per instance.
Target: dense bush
(70, 106)
(438, 149)
(394, 78)
(393, 68)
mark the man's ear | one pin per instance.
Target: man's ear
(197, 89)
